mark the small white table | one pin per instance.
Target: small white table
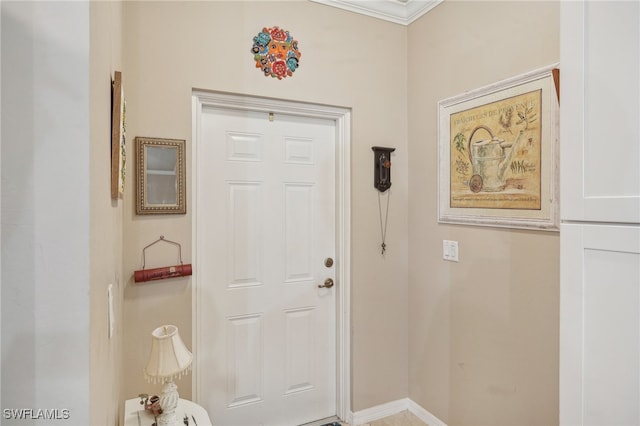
(135, 414)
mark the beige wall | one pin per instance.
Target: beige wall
(347, 60)
(483, 333)
(106, 218)
(480, 343)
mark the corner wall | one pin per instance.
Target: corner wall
(106, 219)
(483, 333)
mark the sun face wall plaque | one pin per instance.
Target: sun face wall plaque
(276, 52)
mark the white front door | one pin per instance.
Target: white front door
(266, 227)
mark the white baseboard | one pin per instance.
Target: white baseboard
(424, 415)
(378, 412)
(389, 409)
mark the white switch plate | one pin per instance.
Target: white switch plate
(112, 319)
(450, 250)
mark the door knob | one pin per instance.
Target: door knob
(328, 283)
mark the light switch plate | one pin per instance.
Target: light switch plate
(111, 316)
(450, 250)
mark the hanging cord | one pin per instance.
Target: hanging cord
(383, 228)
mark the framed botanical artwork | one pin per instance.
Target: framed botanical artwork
(498, 154)
(118, 141)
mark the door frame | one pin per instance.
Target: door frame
(342, 119)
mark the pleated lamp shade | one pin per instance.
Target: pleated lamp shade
(169, 358)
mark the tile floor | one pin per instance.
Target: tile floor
(404, 418)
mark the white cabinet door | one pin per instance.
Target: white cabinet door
(600, 325)
(600, 111)
(600, 212)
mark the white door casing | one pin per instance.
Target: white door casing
(267, 298)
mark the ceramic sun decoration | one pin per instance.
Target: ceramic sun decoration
(276, 52)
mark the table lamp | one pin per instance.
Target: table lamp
(169, 359)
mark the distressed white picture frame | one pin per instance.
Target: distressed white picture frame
(546, 215)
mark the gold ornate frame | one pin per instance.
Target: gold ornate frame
(160, 190)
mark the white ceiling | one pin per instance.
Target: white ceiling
(399, 11)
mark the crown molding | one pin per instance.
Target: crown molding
(399, 11)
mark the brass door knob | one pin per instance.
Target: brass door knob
(328, 283)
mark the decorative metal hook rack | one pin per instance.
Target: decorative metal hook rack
(164, 272)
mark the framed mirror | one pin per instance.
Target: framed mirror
(160, 174)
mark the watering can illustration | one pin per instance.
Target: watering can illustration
(489, 159)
